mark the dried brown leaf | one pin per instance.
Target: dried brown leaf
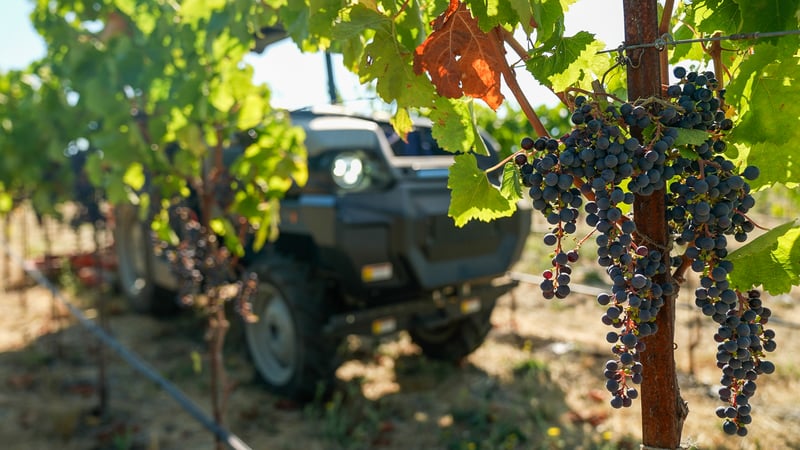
(462, 59)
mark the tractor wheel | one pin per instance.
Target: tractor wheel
(145, 280)
(286, 342)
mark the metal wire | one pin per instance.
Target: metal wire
(666, 40)
(230, 439)
(593, 291)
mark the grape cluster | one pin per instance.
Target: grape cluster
(743, 344)
(555, 196)
(708, 201)
(680, 156)
(198, 261)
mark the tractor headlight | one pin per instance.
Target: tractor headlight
(349, 170)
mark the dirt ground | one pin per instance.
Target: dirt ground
(536, 383)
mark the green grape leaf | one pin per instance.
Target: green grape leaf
(524, 12)
(549, 18)
(692, 52)
(134, 176)
(359, 17)
(716, 15)
(771, 16)
(452, 125)
(766, 89)
(569, 62)
(6, 202)
(491, 13)
(480, 145)
(391, 67)
(511, 187)
(778, 164)
(402, 123)
(690, 136)
(771, 260)
(268, 225)
(472, 195)
(223, 227)
(688, 153)
(766, 96)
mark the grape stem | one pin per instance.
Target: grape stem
(680, 271)
(585, 238)
(752, 221)
(663, 28)
(503, 162)
(511, 81)
(595, 94)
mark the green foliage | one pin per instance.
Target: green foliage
(473, 196)
(570, 62)
(123, 79)
(772, 260)
(155, 93)
(33, 164)
(763, 92)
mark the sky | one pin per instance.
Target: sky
(305, 84)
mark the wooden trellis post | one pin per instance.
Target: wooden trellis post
(663, 410)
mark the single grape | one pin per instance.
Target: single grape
(527, 143)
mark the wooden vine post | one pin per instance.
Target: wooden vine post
(663, 410)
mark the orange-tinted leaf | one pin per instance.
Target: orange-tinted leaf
(460, 58)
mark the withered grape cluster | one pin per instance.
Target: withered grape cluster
(599, 166)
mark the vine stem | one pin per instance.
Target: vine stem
(663, 28)
(502, 162)
(594, 94)
(511, 80)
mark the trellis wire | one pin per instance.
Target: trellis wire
(593, 291)
(666, 40)
(230, 439)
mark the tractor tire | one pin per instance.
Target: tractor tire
(286, 342)
(145, 280)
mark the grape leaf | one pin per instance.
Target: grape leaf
(6, 202)
(771, 260)
(769, 91)
(568, 61)
(766, 94)
(390, 67)
(473, 196)
(452, 125)
(716, 15)
(359, 17)
(549, 18)
(681, 53)
(460, 58)
(491, 13)
(690, 136)
(772, 15)
(402, 123)
(134, 176)
(223, 227)
(524, 13)
(777, 164)
(480, 145)
(511, 187)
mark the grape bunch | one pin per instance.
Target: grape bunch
(707, 198)
(743, 343)
(555, 196)
(198, 261)
(707, 202)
